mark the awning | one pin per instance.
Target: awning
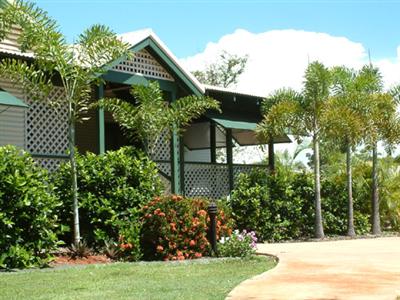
(233, 124)
(9, 100)
(243, 130)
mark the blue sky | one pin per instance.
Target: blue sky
(187, 26)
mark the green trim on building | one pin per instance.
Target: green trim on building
(229, 156)
(175, 166)
(151, 43)
(101, 122)
(129, 79)
(9, 100)
(175, 68)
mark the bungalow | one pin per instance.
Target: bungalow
(188, 164)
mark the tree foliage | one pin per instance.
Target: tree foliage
(225, 72)
(151, 115)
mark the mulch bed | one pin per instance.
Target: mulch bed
(61, 260)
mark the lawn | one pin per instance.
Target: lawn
(200, 279)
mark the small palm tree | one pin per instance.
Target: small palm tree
(151, 116)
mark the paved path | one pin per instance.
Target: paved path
(360, 269)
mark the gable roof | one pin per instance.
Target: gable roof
(146, 37)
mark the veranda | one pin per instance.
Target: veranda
(188, 163)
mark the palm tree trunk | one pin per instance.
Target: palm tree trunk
(350, 216)
(74, 181)
(376, 226)
(319, 229)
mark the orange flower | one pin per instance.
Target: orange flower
(173, 257)
(160, 248)
(179, 253)
(202, 213)
(198, 255)
(192, 243)
(181, 258)
(174, 197)
(161, 214)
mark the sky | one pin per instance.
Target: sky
(279, 37)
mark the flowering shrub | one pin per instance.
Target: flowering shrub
(175, 228)
(238, 244)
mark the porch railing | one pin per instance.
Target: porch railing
(210, 180)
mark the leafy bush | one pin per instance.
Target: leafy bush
(111, 189)
(275, 207)
(238, 244)
(27, 211)
(281, 206)
(175, 228)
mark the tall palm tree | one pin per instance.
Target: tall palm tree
(301, 114)
(382, 124)
(344, 125)
(77, 67)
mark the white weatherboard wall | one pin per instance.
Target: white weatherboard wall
(12, 126)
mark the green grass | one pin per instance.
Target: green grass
(201, 279)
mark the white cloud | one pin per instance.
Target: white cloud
(278, 58)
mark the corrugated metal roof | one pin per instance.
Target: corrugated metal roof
(231, 91)
(17, 53)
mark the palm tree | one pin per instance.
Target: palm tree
(344, 125)
(301, 114)
(382, 124)
(151, 115)
(77, 67)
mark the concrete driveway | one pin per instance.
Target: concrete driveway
(349, 269)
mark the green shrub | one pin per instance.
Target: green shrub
(175, 228)
(281, 206)
(111, 189)
(239, 244)
(27, 211)
(275, 207)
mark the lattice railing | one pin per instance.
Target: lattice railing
(144, 63)
(238, 169)
(206, 180)
(211, 180)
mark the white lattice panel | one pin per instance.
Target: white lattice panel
(47, 126)
(206, 180)
(165, 168)
(144, 64)
(162, 150)
(51, 164)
